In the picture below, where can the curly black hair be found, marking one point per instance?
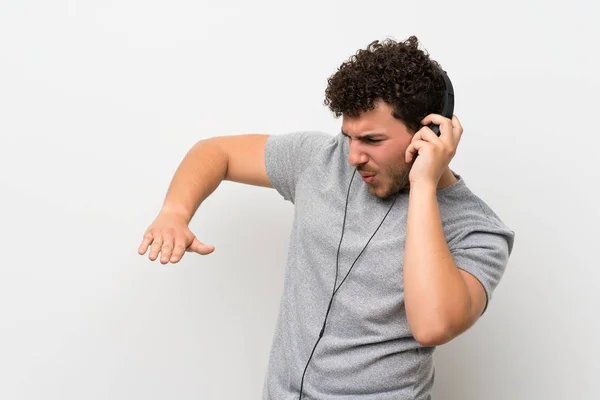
(398, 73)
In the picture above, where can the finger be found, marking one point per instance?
(145, 243)
(433, 119)
(457, 128)
(445, 143)
(426, 134)
(156, 246)
(201, 248)
(444, 123)
(413, 149)
(178, 249)
(167, 248)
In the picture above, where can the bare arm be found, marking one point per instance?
(442, 301)
(209, 162)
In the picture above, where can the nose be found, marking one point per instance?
(356, 156)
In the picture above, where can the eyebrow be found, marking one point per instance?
(367, 136)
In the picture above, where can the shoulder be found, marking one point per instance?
(464, 213)
(300, 139)
(302, 148)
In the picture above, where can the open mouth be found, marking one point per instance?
(367, 178)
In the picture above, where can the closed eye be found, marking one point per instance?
(370, 140)
(366, 139)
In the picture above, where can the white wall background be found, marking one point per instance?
(100, 100)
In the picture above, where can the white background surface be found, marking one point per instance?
(100, 101)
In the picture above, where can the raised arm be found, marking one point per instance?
(238, 158)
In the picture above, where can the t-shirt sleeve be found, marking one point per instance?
(483, 250)
(288, 155)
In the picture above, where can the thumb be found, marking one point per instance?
(200, 248)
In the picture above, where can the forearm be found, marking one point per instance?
(202, 170)
(436, 295)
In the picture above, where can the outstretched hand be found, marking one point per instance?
(170, 236)
(434, 153)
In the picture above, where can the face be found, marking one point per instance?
(377, 143)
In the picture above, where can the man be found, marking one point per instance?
(390, 255)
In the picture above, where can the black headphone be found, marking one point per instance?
(448, 109)
(447, 112)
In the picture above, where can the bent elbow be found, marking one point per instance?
(430, 336)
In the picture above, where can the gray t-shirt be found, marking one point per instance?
(367, 351)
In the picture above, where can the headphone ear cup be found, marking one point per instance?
(435, 128)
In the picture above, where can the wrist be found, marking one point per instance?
(423, 186)
(176, 210)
